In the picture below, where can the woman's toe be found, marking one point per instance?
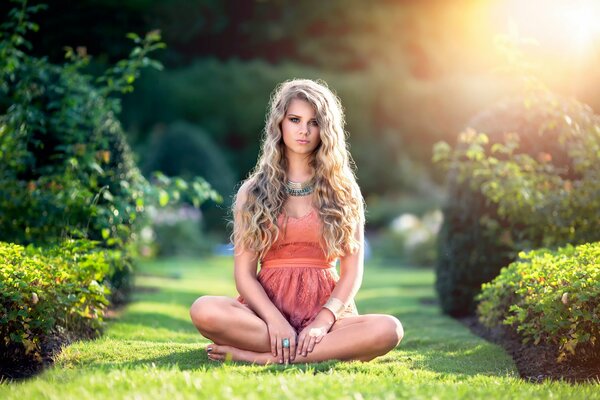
(214, 353)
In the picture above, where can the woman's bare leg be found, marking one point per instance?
(226, 321)
(362, 337)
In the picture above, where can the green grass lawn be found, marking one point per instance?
(153, 351)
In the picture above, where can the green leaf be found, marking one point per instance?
(163, 197)
(441, 151)
(134, 36)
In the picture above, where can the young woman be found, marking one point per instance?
(299, 211)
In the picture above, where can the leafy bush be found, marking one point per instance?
(68, 172)
(550, 297)
(552, 194)
(470, 251)
(61, 288)
(67, 169)
(531, 180)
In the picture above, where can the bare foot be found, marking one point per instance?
(230, 353)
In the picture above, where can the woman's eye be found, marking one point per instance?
(296, 119)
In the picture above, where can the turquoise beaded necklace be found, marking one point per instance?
(300, 189)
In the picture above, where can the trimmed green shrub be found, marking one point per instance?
(531, 179)
(472, 246)
(57, 289)
(550, 297)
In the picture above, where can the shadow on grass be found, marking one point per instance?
(187, 360)
(157, 320)
(166, 275)
(167, 296)
(460, 364)
(461, 360)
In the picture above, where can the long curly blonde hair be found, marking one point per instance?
(337, 196)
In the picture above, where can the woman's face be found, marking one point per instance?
(301, 132)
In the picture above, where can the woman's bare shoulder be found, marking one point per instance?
(356, 189)
(242, 193)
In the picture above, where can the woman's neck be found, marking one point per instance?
(298, 169)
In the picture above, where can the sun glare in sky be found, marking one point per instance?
(584, 18)
(570, 26)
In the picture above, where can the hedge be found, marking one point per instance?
(551, 297)
(45, 290)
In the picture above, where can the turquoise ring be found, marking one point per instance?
(285, 343)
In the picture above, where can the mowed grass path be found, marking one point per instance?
(153, 351)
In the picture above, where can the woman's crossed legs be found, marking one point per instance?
(239, 334)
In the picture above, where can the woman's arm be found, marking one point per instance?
(351, 274)
(245, 268)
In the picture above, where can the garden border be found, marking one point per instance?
(535, 363)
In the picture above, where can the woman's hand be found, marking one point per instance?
(314, 332)
(280, 329)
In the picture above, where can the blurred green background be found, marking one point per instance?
(409, 73)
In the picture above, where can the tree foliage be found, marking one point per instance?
(68, 169)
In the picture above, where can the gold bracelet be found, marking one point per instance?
(336, 306)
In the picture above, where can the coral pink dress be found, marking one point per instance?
(295, 273)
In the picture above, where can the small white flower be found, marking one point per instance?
(433, 221)
(405, 222)
(416, 237)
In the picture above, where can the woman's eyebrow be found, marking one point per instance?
(294, 115)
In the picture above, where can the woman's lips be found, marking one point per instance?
(302, 141)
